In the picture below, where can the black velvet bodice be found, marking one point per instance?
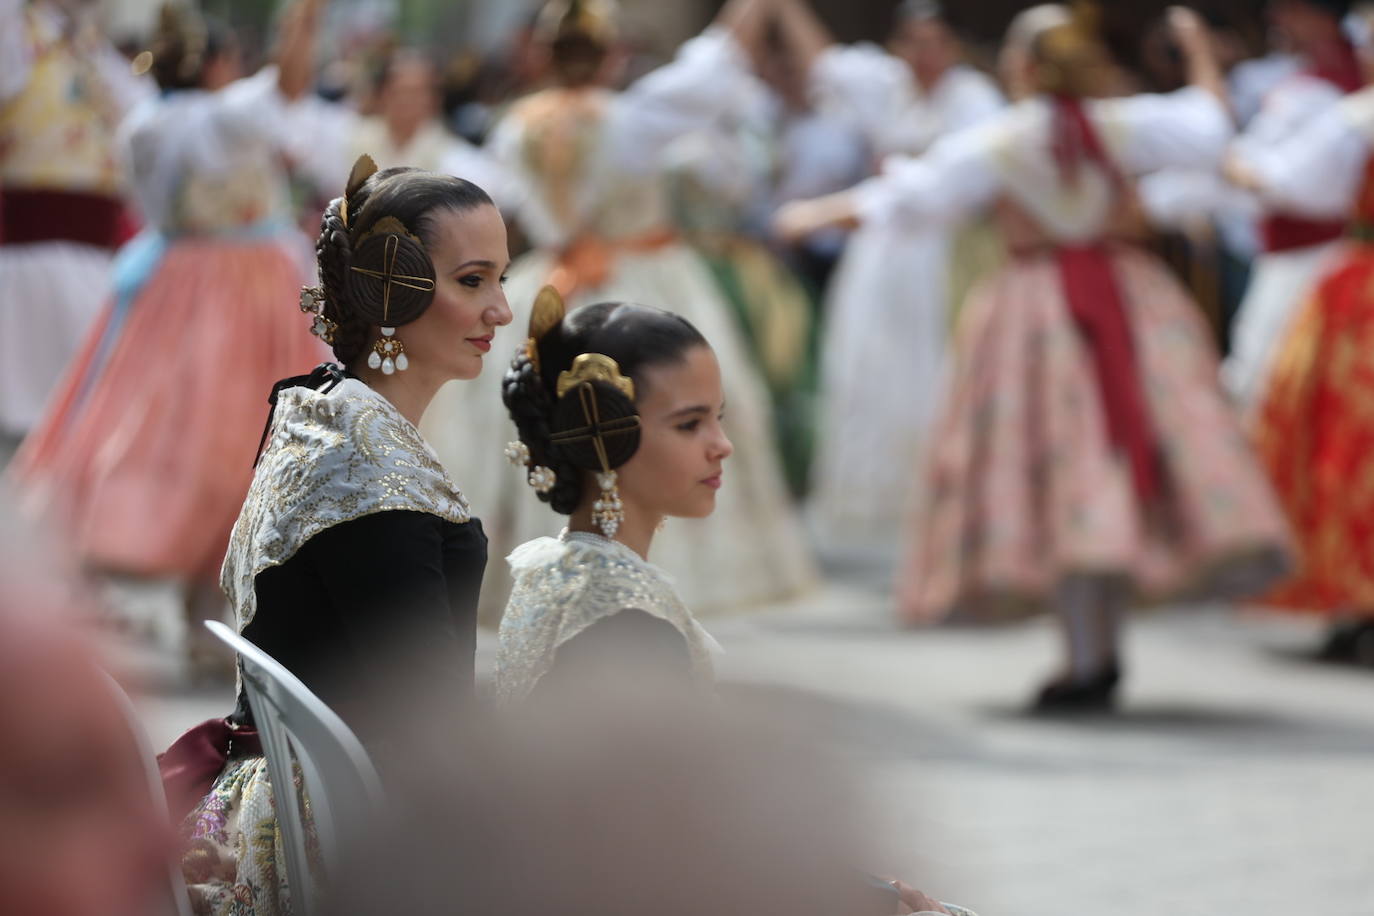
(376, 614)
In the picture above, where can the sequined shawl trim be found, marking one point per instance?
(330, 458)
(564, 586)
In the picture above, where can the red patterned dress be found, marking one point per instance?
(1315, 432)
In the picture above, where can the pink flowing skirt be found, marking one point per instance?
(144, 461)
(1024, 488)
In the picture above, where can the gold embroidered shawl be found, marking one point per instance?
(330, 458)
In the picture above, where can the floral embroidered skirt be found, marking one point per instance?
(1315, 434)
(233, 858)
(1023, 488)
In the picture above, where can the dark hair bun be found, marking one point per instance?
(391, 279)
(611, 411)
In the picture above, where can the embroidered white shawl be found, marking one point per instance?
(330, 458)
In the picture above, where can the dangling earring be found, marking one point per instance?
(312, 303)
(388, 353)
(608, 512)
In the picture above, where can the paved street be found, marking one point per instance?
(1239, 781)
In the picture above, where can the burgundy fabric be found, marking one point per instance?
(1287, 233)
(61, 216)
(1341, 68)
(1095, 301)
(190, 765)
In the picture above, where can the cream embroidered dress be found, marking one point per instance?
(566, 584)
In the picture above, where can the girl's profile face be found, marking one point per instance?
(470, 259)
(682, 447)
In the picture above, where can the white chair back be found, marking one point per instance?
(339, 780)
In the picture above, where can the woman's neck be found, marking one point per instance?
(408, 391)
(636, 529)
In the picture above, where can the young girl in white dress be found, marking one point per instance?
(619, 409)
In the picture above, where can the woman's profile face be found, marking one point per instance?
(682, 446)
(470, 259)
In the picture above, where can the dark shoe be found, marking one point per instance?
(1340, 642)
(1096, 694)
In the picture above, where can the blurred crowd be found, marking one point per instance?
(1026, 328)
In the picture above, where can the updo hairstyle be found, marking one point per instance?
(1071, 58)
(413, 199)
(637, 337)
(183, 43)
(579, 33)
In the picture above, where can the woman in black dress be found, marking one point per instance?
(355, 561)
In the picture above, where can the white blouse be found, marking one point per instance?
(877, 93)
(1011, 155)
(207, 162)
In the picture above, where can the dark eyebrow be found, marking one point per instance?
(467, 264)
(699, 408)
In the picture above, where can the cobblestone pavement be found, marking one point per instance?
(1238, 780)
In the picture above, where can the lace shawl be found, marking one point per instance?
(330, 458)
(564, 585)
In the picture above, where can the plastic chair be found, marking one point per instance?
(180, 902)
(297, 728)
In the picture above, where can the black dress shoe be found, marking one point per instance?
(1066, 695)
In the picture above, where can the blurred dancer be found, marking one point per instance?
(1085, 456)
(145, 454)
(63, 92)
(891, 276)
(1314, 427)
(1300, 236)
(591, 163)
(327, 137)
(719, 180)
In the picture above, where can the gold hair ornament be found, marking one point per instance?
(394, 231)
(363, 169)
(545, 315)
(607, 511)
(595, 367)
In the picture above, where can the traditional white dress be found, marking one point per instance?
(886, 318)
(1282, 278)
(1025, 484)
(61, 101)
(595, 208)
(328, 137)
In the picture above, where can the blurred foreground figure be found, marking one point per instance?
(79, 835)
(63, 91)
(607, 802)
(1086, 457)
